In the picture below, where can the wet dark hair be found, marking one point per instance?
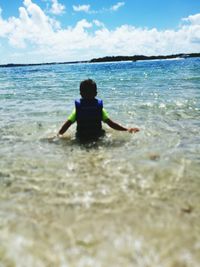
(88, 88)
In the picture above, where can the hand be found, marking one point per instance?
(133, 130)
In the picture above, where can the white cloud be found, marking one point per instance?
(98, 23)
(32, 26)
(117, 6)
(87, 8)
(193, 19)
(85, 41)
(27, 2)
(57, 8)
(83, 8)
(83, 24)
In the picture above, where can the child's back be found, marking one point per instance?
(89, 118)
(89, 114)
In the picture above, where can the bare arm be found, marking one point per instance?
(65, 127)
(118, 127)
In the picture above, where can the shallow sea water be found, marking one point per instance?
(127, 200)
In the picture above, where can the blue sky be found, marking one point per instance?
(64, 30)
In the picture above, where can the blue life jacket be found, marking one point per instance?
(89, 117)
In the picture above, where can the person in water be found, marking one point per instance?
(89, 114)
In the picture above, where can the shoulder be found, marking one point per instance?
(100, 102)
(77, 101)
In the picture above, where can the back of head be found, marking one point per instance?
(88, 89)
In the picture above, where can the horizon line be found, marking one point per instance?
(103, 59)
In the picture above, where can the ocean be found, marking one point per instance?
(128, 200)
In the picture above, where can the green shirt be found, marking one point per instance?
(72, 116)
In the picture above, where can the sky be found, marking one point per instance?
(39, 31)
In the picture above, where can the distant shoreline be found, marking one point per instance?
(108, 59)
(11, 65)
